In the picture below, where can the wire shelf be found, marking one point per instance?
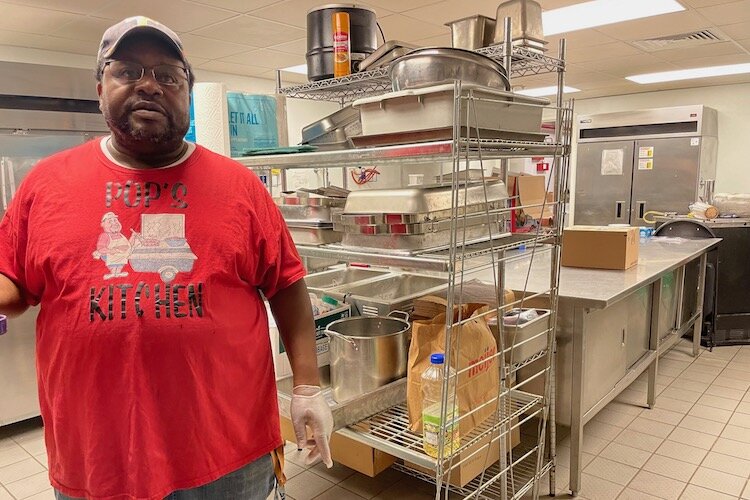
(520, 473)
(418, 152)
(468, 257)
(344, 89)
(389, 430)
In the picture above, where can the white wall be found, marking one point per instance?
(733, 105)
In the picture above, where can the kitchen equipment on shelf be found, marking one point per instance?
(367, 353)
(434, 65)
(326, 280)
(313, 233)
(390, 50)
(424, 199)
(427, 114)
(333, 131)
(526, 21)
(320, 52)
(395, 292)
(473, 32)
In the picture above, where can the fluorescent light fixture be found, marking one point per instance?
(542, 91)
(601, 12)
(300, 69)
(689, 74)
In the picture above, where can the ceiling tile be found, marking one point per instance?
(713, 61)
(179, 15)
(86, 28)
(74, 6)
(656, 26)
(729, 13)
(209, 48)
(450, 10)
(266, 58)
(298, 46)
(234, 69)
(587, 39)
(400, 27)
(294, 12)
(745, 43)
(704, 3)
(712, 50)
(399, 5)
(32, 19)
(736, 31)
(578, 77)
(577, 54)
(34, 41)
(252, 31)
(241, 6)
(443, 40)
(627, 65)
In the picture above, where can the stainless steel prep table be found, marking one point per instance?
(613, 325)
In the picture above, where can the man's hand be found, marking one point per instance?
(11, 300)
(309, 408)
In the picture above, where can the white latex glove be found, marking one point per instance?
(309, 408)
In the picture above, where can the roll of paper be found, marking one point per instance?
(211, 117)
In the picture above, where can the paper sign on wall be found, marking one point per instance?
(612, 161)
(695, 141)
(645, 164)
(646, 152)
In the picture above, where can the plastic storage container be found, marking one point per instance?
(432, 390)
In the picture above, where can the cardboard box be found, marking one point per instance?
(532, 190)
(600, 247)
(348, 452)
(482, 459)
(281, 361)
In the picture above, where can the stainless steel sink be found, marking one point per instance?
(340, 277)
(396, 292)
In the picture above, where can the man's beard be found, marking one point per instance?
(169, 134)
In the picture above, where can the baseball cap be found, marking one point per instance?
(132, 25)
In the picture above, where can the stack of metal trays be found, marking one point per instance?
(419, 218)
(310, 217)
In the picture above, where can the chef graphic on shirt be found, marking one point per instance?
(113, 247)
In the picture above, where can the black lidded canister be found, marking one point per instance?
(362, 32)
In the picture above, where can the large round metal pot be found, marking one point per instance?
(367, 353)
(362, 35)
(433, 66)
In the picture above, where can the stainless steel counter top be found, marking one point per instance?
(599, 289)
(720, 222)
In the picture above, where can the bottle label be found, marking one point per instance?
(432, 428)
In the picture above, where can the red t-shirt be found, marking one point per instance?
(153, 355)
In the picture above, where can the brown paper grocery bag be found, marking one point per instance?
(470, 344)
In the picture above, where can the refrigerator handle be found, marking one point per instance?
(618, 209)
(641, 209)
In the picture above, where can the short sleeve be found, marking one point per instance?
(14, 241)
(277, 264)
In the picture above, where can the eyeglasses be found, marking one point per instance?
(126, 72)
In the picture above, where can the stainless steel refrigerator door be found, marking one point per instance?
(604, 173)
(665, 176)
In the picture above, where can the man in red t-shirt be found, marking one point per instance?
(148, 256)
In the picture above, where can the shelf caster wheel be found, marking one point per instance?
(574, 494)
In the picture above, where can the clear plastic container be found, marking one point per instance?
(432, 425)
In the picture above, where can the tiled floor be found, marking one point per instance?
(694, 445)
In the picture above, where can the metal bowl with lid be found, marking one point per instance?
(435, 65)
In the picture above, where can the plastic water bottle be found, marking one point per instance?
(432, 425)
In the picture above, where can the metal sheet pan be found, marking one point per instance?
(422, 199)
(314, 235)
(312, 213)
(417, 228)
(411, 243)
(388, 218)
